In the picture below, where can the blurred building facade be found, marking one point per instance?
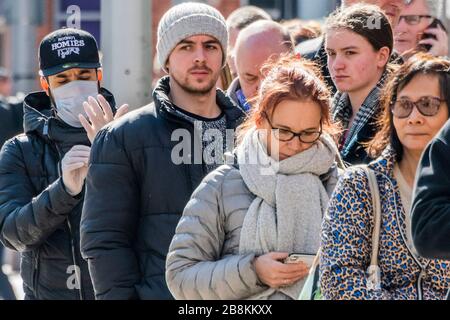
(23, 23)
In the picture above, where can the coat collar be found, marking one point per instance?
(38, 109)
(369, 110)
(39, 119)
(163, 104)
(385, 163)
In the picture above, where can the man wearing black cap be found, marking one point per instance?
(42, 172)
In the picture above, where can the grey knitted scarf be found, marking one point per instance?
(286, 215)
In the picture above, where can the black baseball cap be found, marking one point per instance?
(66, 49)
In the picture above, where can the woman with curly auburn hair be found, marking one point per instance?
(415, 107)
(244, 219)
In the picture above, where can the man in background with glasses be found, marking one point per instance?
(420, 29)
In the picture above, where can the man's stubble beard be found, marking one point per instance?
(191, 89)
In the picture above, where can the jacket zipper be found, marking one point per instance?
(77, 271)
(171, 117)
(419, 284)
(36, 267)
(422, 273)
(36, 274)
(72, 244)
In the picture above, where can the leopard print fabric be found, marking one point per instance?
(347, 246)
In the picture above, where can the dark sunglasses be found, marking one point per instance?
(285, 135)
(427, 106)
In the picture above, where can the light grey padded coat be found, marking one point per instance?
(203, 260)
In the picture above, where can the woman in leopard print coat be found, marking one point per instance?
(415, 104)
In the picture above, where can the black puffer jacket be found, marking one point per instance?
(11, 116)
(37, 216)
(314, 50)
(135, 195)
(431, 208)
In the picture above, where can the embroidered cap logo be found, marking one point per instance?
(67, 46)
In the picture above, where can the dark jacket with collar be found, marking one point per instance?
(135, 196)
(364, 126)
(232, 89)
(232, 92)
(314, 50)
(11, 115)
(431, 206)
(37, 216)
(353, 151)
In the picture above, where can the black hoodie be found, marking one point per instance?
(37, 216)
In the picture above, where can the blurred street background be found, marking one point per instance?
(126, 34)
(122, 29)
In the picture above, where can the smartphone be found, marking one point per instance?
(435, 24)
(307, 259)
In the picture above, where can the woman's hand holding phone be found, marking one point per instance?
(274, 273)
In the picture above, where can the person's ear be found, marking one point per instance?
(99, 75)
(44, 85)
(383, 57)
(260, 122)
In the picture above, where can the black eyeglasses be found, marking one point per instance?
(284, 135)
(414, 19)
(427, 106)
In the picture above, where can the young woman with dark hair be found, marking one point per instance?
(359, 44)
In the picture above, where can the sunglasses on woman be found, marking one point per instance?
(427, 106)
(306, 136)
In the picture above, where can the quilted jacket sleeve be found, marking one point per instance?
(110, 218)
(195, 267)
(26, 220)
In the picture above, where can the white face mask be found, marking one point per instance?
(69, 100)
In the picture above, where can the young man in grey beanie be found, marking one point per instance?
(140, 176)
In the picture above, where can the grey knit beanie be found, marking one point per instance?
(186, 20)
